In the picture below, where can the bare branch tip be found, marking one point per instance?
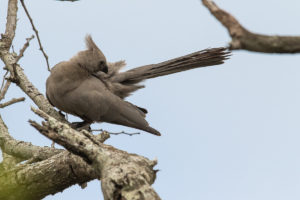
(25, 46)
(153, 163)
(209, 4)
(37, 34)
(4, 88)
(12, 101)
(37, 126)
(39, 112)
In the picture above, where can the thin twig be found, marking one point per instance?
(4, 90)
(118, 133)
(3, 80)
(13, 49)
(36, 33)
(21, 54)
(12, 101)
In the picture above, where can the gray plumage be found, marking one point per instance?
(89, 87)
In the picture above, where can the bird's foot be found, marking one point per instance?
(61, 114)
(81, 126)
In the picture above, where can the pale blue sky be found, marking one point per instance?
(230, 132)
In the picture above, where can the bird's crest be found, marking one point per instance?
(90, 44)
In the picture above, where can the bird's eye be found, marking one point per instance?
(101, 63)
(102, 66)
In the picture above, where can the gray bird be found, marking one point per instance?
(94, 90)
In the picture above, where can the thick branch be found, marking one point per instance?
(35, 181)
(11, 22)
(57, 170)
(23, 150)
(123, 176)
(244, 39)
(9, 161)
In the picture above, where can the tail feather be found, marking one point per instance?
(152, 130)
(207, 57)
(131, 116)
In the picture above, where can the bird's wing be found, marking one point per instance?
(93, 101)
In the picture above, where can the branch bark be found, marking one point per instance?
(48, 172)
(123, 175)
(23, 150)
(5, 88)
(244, 39)
(36, 181)
(12, 101)
(11, 23)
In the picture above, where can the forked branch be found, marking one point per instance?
(244, 39)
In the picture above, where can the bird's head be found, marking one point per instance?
(92, 59)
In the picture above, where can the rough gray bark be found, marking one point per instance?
(37, 180)
(23, 150)
(34, 179)
(123, 175)
(244, 39)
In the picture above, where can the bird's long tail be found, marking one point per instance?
(207, 57)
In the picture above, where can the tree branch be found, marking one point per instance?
(244, 39)
(3, 80)
(123, 176)
(35, 181)
(56, 171)
(23, 150)
(26, 45)
(28, 87)
(117, 133)
(11, 23)
(4, 90)
(36, 33)
(12, 101)
(9, 161)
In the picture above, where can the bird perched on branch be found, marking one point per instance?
(94, 90)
